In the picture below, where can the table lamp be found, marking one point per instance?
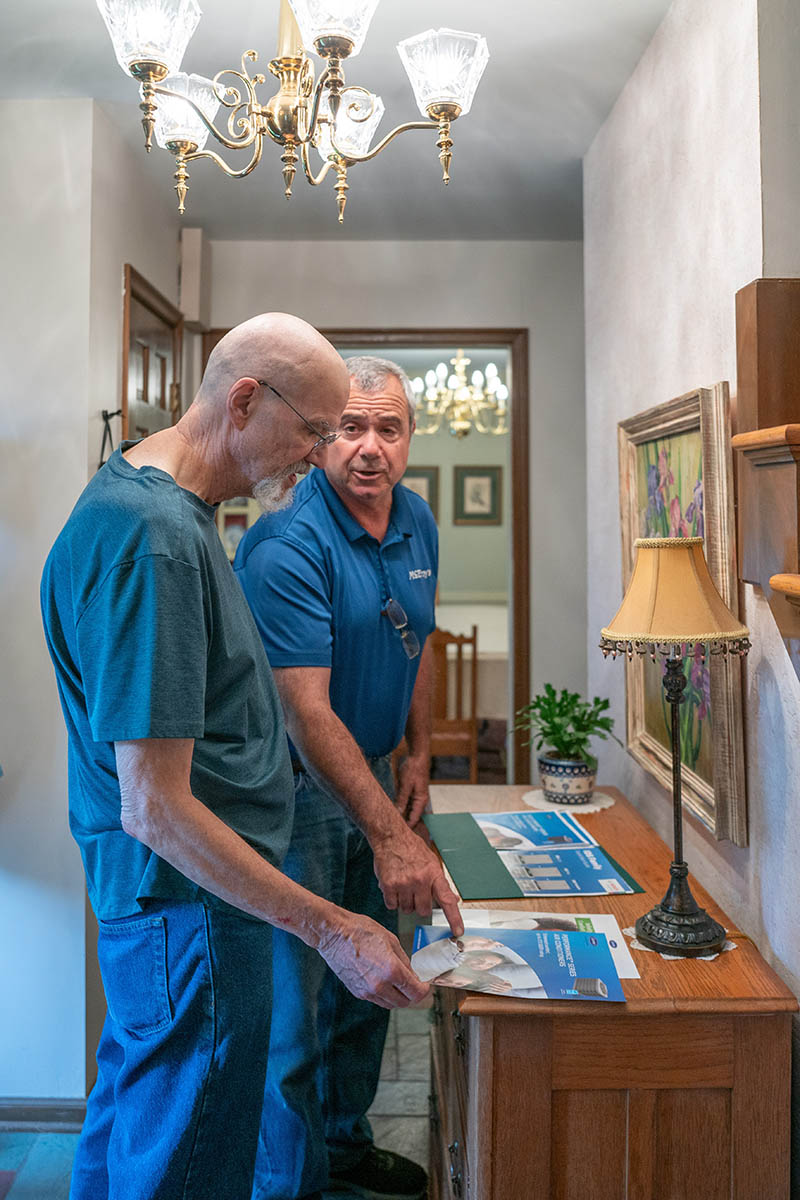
(670, 609)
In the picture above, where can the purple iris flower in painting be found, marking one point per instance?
(655, 501)
(695, 510)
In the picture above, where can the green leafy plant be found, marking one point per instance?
(565, 723)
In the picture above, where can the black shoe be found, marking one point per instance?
(382, 1175)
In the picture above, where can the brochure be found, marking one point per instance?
(498, 856)
(502, 918)
(534, 964)
(529, 830)
(576, 872)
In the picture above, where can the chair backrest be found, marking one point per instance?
(448, 701)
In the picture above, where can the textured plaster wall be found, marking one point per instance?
(70, 218)
(673, 228)
(391, 284)
(44, 328)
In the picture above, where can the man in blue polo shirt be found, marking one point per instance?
(342, 588)
(180, 784)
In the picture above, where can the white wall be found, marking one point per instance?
(70, 216)
(673, 228)
(135, 220)
(474, 560)
(44, 328)
(418, 284)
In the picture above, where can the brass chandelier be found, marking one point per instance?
(447, 398)
(335, 118)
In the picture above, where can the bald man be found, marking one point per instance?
(180, 783)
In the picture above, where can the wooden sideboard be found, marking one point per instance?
(682, 1093)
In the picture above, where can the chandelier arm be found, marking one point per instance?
(254, 160)
(431, 426)
(307, 134)
(231, 143)
(314, 180)
(351, 159)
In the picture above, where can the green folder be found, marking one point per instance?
(476, 867)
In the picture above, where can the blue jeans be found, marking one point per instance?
(174, 1113)
(325, 1045)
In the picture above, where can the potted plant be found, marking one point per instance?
(564, 723)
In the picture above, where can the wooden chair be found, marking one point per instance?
(454, 730)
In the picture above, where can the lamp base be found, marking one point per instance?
(678, 925)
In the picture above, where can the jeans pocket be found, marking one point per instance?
(133, 963)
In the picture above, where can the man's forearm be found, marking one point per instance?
(186, 834)
(159, 809)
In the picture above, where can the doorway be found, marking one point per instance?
(390, 343)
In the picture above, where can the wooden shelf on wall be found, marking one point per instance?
(768, 446)
(769, 517)
(788, 586)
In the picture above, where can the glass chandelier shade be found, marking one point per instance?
(334, 18)
(444, 66)
(178, 122)
(355, 125)
(150, 30)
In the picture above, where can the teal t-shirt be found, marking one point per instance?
(151, 637)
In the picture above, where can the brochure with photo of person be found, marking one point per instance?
(506, 918)
(537, 964)
(531, 830)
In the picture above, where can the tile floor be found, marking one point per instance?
(42, 1161)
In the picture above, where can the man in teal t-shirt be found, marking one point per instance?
(179, 777)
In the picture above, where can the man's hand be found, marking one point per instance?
(371, 963)
(413, 796)
(410, 877)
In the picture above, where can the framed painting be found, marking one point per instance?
(676, 480)
(425, 482)
(477, 495)
(152, 344)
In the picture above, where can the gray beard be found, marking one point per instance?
(271, 493)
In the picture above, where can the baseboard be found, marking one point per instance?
(42, 1116)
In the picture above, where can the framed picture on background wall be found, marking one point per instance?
(477, 496)
(425, 482)
(676, 480)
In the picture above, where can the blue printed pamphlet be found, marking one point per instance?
(534, 964)
(529, 830)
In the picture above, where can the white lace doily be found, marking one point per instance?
(535, 799)
(630, 933)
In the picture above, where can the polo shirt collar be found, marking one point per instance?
(400, 524)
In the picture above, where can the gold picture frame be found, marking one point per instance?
(676, 479)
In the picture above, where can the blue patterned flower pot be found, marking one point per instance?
(566, 780)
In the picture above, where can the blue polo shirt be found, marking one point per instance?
(151, 637)
(317, 583)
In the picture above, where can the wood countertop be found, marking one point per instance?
(738, 981)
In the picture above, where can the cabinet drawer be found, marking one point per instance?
(451, 1034)
(448, 1159)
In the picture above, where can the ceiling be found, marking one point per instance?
(555, 70)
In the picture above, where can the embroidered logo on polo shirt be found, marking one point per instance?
(420, 573)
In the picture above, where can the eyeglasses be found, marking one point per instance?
(399, 620)
(323, 439)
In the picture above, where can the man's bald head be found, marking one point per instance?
(284, 350)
